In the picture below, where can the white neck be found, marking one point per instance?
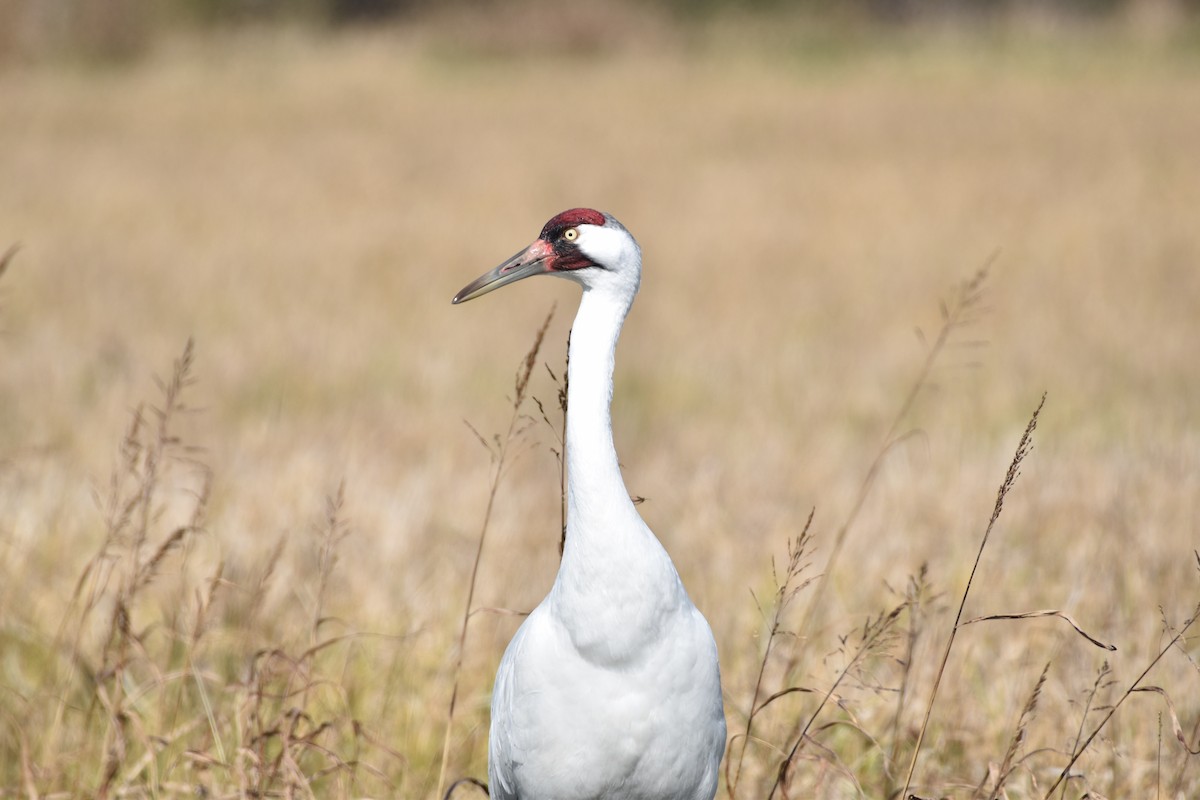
(598, 504)
(616, 584)
(616, 587)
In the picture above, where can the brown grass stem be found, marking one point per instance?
(333, 531)
(7, 258)
(1062, 776)
(1009, 763)
(785, 592)
(873, 632)
(131, 512)
(560, 434)
(915, 596)
(1049, 612)
(499, 455)
(1010, 478)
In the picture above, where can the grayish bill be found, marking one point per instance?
(530, 261)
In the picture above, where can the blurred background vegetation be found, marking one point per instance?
(125, 29)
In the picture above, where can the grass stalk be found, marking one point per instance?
(1112, 710)
(1010, 478)
(500, 453)
(785, 592)
(124, 566)
(1018, 738)
(560, 436)
(873, 634)
(915, 597)
(7, 258)
(784, 595)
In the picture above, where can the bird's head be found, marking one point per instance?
(586, 246)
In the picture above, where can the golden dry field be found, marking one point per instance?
(186, 609)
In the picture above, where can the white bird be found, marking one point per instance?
(610, 688)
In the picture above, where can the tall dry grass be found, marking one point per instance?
(253, 583)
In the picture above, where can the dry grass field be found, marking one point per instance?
(187, 609)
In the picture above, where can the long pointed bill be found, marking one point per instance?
(533, 260)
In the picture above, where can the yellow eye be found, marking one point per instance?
(571, 234)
